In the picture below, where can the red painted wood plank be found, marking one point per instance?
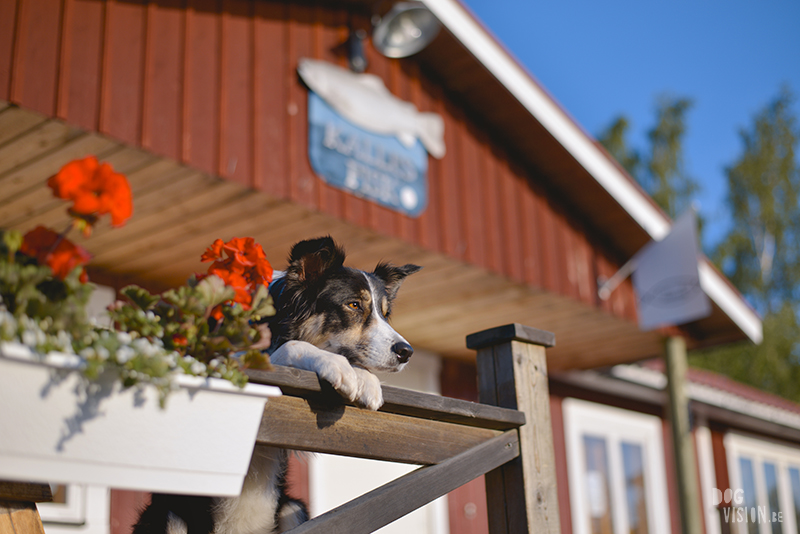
(236, 72)
(550, 253)
(472, 215)
(8, 20)
(531, 250)
(36, 58)
(123, 70)
(271, 93)
(163, 84)
(490, 197)
(330, 35)
(81, 63)
(560, 457)
(510, 188)
(303, 182)
(453, 239)
(429, 227)
(201, 91)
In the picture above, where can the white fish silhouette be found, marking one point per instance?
(364, 100)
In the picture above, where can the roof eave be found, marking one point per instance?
(485, 48)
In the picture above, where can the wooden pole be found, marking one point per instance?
(682, 443)
(512, 373)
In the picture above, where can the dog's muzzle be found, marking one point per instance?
(403, 351)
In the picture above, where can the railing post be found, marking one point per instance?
(512, 373)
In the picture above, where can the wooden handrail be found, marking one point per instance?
(508, 437)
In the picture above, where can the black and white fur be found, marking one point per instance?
(332, 320)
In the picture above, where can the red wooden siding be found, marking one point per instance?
(213, 84)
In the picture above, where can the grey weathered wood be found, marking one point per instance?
(306, 384)
(682, 442)
(25, 491)
(294, 423)
(391, 501)
(510, 332)
(512, 373)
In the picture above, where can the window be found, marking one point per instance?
(67, 505)
(766, 475)
(616, 470)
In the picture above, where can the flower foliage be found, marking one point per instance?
(209, 327)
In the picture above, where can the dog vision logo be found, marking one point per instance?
(737, 511)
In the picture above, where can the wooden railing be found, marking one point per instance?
(506, 436)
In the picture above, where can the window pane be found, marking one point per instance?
(794, 480)
(634, 487)
(749, 488)
(771, 481)
(597, 484)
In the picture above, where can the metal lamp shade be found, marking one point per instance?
(405, 30)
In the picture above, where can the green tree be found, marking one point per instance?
(761, 253)
(666, 178)
(614, 139)
(662, 170)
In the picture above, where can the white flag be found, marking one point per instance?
(666, 279)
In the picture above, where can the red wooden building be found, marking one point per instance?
(199, 102)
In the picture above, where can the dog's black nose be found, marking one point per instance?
(403, 351)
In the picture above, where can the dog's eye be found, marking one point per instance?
(355, 305)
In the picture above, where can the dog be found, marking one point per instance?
(330, 319)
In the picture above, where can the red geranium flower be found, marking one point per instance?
(51, 249)
(241, 264)
(95, 189)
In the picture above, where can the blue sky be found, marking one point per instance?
(603, 59)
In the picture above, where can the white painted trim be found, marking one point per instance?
(759, 451)
(615, 425)
(710, 395)
(520, 84)
(708, 477)
(730, 302)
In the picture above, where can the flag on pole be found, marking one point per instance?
(666, 279)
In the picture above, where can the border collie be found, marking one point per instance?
(332, 320)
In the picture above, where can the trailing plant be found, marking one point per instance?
(210, 327)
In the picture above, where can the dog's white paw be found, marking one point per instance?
(341, 375)
(370, 394)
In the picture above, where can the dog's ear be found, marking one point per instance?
(393, 276)
(312, 258)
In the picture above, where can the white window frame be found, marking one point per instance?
(615, 425)
(72, 511)
(761, 450)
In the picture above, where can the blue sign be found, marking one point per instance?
(372, 166)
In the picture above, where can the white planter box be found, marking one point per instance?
(51, 432)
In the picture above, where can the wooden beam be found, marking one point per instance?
(391, 501)
(399, 401)
(512, 373)
(299, 424)
(25, 491)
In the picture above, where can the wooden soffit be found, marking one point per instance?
(179, 211)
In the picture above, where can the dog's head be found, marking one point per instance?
(340, 309)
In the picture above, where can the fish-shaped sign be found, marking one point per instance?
(364, 100)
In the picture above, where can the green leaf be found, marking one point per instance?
(12, 239)
(213, 291)
(140, 297)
